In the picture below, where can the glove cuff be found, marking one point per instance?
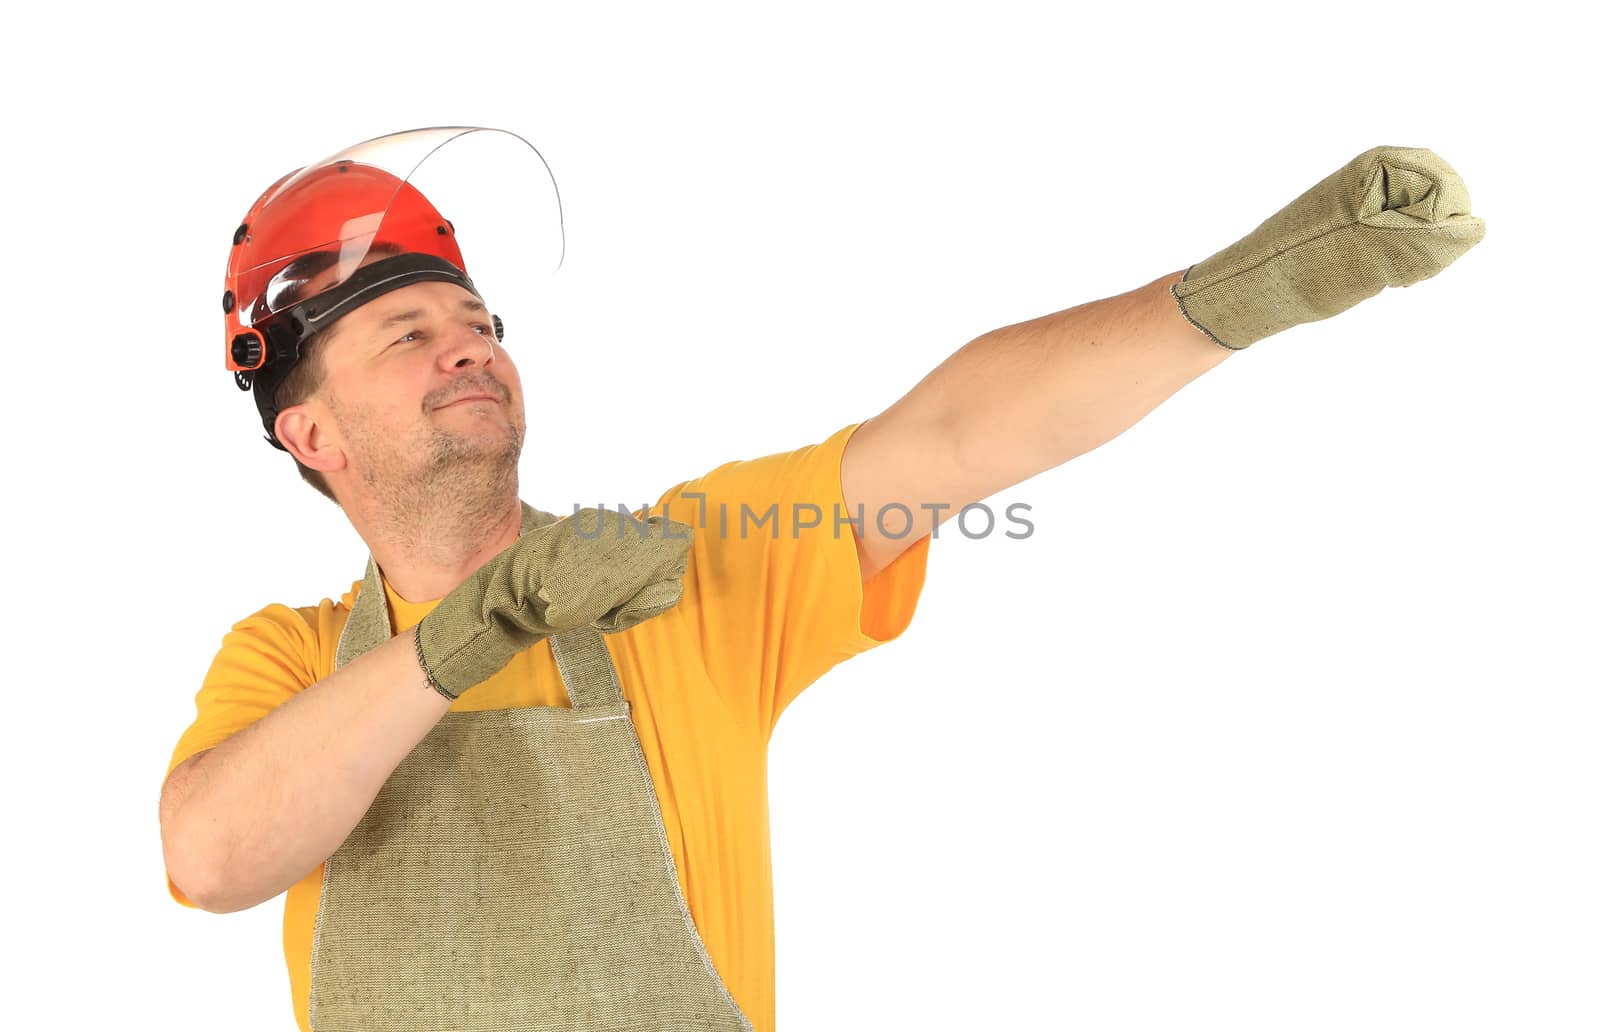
(422, 661)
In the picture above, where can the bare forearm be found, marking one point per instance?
(1025, 398)
(1015, 402)
(261, 810)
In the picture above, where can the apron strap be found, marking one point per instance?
(369, 623)
(586, 668)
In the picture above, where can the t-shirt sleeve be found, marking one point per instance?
(773, 588)
(264, 660)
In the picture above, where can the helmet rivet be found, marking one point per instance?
(227, 301)
(239, 234)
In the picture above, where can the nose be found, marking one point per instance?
(467, 346)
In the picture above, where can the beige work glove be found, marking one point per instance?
(1392, 217)
(598, 567)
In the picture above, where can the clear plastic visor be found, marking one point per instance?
(483, 199)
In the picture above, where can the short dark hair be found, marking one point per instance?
(305, 378)
(302, 381)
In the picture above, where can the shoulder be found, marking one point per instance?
(301, 637)
(808, 474)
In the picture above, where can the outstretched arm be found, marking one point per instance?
(1014, 402)
(1025, 398)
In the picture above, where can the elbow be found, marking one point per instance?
(203, 882)
(199, 870)
(216, 904)
(193, 863)
(188, 869)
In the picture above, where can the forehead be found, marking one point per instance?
(414, 301)
(382, 314)
(431, 298)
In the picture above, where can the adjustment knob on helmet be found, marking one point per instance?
(247, 351)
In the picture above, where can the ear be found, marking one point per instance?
(306, 430)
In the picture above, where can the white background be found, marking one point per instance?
(1284, 717)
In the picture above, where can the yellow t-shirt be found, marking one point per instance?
(761, 618)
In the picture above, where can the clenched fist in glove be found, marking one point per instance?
(1392, 217)
(596, 567)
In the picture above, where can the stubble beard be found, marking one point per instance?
(443, 492)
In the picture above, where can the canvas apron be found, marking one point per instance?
(513, 873)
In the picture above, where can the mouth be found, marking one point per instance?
(472, 398)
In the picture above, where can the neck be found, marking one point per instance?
(428, 545)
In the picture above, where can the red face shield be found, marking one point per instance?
(330, 237)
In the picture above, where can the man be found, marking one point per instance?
(515, 776)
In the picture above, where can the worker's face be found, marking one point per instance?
(421, 394)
